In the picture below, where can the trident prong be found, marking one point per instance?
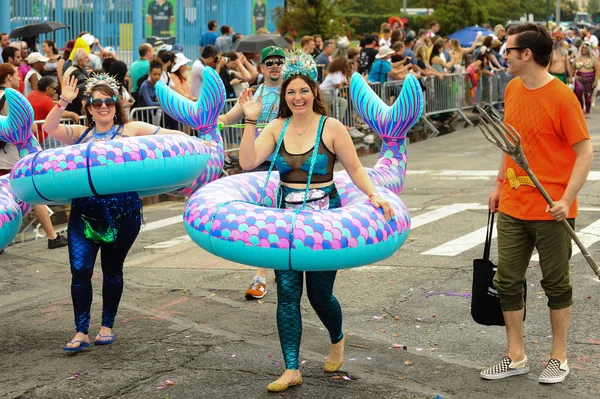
(509, 141)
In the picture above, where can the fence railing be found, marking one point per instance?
(452, 94)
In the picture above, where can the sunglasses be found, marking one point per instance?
(98, 102)
(509, 49)
(270, 63)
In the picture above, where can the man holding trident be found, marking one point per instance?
(556, 142)
(271, 62)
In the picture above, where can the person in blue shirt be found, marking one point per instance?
(381, 67)
(409, 43)
(210, 37)
(147, 94)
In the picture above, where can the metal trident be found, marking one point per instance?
(509, 141)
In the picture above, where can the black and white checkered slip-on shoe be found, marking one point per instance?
(554, 372)
(506, 368)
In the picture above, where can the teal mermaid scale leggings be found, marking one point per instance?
(319, 288)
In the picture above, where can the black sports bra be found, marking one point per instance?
(294, 168)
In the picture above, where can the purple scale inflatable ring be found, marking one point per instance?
(225, 219)
(147, 164)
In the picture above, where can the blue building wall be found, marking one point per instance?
(121, 23)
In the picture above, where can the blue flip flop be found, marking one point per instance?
(105, 342)
(81, 347)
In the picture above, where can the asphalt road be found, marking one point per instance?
(183, 316)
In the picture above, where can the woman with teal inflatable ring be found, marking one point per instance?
(109, 223)
(308, 134)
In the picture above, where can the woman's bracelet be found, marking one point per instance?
(251, 121)
(64, 99)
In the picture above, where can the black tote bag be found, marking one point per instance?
(485, 303)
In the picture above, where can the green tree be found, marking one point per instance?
(309, 17)
(593, 6)
(454, 15)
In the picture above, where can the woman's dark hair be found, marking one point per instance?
(340, 64)
(107, 64)
(484, 55)
(52, 45)
(396, 36)
(118, 70)
(120, 115)
(436, 50)
(5, 70)
(318, 105)
(168, 56)
(231, 55)
(535, 38)
(487, 41)
(156, 63)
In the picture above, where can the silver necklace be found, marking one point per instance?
(305, 130)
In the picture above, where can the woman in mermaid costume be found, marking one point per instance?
(109, 223)
(304, 158)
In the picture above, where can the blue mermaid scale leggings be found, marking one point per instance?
(82, 256)
(319, 288)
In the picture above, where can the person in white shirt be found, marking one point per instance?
(386, 40)
(37, 62)
(207, 58)
(337, 77)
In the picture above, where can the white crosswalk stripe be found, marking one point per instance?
(589, 235)
(461, 244)
(170, 243)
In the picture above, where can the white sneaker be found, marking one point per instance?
(506, 368)
(554, 372)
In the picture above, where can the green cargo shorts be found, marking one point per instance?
(516, 240)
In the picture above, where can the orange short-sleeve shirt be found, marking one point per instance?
(549, 120)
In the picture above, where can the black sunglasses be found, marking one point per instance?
(271, 63)
(509, 49)
(109, 102)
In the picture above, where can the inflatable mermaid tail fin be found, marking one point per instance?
(390, 122)
(201, 115)
(16, 126)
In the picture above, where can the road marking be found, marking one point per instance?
(162, 223)
(170, 243)
(440, 213)
(588, 236)
(461, 244)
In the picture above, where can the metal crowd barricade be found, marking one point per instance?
(47, 141)
(454, 93)
(231, 136)
(444, 96)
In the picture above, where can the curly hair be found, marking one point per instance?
(120, 114)
(318, 104)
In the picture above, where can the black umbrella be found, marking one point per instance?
(256, 43)
(37, 29)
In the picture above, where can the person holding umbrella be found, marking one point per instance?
(271, 63)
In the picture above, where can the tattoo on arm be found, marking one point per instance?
(70, 133)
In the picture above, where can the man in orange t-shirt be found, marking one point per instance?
(556, 142)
